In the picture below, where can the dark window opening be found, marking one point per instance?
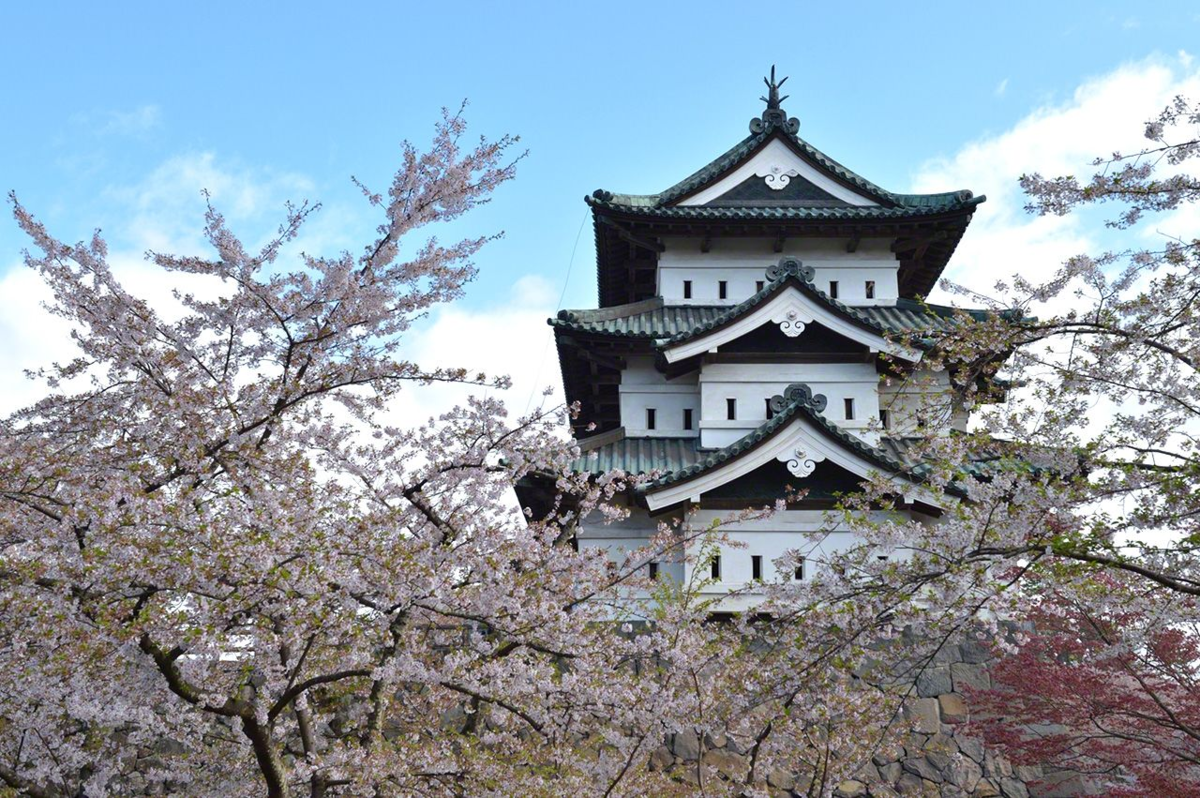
(654, 570)
(849, 407)
(881, 557)
(833, 289)
(722, 289)
(770, 412)
(731, 409)
(715, 566)
(687, 289)
(756, 567)
(870, 289)
(687, 418)
(885, 419)
(759, 285)
(799, 575)
(651, 417)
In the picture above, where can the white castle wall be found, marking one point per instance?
(742, 263)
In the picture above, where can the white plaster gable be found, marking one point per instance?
(792, 310)
(777, 164)
(800, 447)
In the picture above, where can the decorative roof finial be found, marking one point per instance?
(774, 115)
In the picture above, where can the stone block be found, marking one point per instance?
(975, 651)
(662, 758)
(934, 681)
(851, 788)
(1062, 784)
(921, 766)
(686, 746)
(925, 715)
(726, 762)
(953, 708)
(890, 773)
(971, 747)
(1011, 788)
(780, 779)
(910, 784)
(966, 675)
(986, 788)
(963, 773)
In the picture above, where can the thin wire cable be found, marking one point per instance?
(561, 296)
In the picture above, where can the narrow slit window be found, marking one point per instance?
(722, 289)
(833, 289)
(849, 408)
(770, 413)
(731, 409)
(687, 289)
(654, 570)
(756, 567)
(715, 567)
(759, 285)
(651, 417)
(687, 418)
(799, 573)
(870, 289)
(885, 419)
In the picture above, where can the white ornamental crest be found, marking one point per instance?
(791, 325)
(778, 177)
(801, 463)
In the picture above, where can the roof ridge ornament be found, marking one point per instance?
(790, 266)
(798, 393)
(774, 115)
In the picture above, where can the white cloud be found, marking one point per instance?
(1104, 114)
(1001, 88)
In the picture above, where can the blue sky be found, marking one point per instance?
(116, 114)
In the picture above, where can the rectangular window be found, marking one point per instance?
(715, 567)
(756, 567)
(799, 575)
(722, 289)
(849, 408)
(770, 414)
(651, 417)
(884, 419)
(687, 289)
(833, 289)
(731, 409)
(870, 289)
(687, 418)
(759, 285)
(654, 570)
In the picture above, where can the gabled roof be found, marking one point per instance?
(930, 224)
(667, 327)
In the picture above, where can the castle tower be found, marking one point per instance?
(759, 328)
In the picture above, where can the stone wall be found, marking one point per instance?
(937, 757)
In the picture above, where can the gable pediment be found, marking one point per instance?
(793, 310)
(782, 177)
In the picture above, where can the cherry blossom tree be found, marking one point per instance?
(225, 570)
(1100, 439)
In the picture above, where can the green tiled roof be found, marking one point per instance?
(651, 319)
(891, 203)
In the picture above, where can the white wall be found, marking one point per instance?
(642, 387)
(742, 263)
(923, 396)
(752, 383)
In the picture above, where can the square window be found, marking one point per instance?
(833, 289)
(849, 408)
(654, 570)
(687, 418)
(756, 567)
(799, 573)
(722, 289)
(687, 289)
(870, 289)
(731, 409)
(715, 567)
(651, 417)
